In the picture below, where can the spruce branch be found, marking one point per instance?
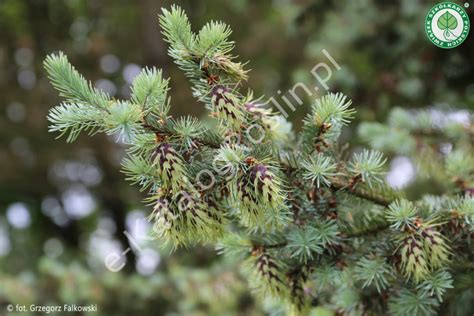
(72, 85)
(301, 220)
(304, 243)
(412, 303)
(318, 170)
(368, 166)
(72, 119)
(437, 284)
(373, 271)
(402, 215)
(149, 90)
(171, 128)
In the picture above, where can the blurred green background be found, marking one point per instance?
(64, 207)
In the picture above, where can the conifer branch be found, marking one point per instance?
(288, 207)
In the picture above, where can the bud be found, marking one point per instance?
(414, 260)
(201, 220)
(269, 276)
(258, 191)
(435, 247)
(170, 166)
(258, 110)
(266, 185)
(297, 296)
(226, 107)
(185, 218)
(166, 223)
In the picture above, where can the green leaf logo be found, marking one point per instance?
(447, 25)
(448, 22)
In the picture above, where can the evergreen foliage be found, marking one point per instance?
(309, 226)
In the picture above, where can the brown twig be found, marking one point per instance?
(370, 231)
(339, 183)
(279, 245)
(165, 131)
